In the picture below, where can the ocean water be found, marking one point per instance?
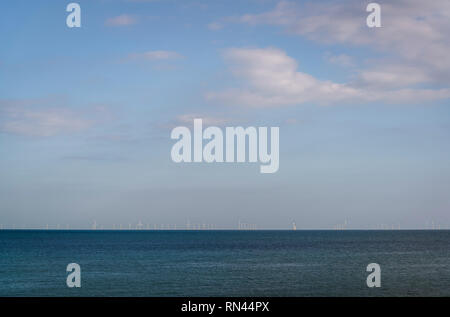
(225, 263)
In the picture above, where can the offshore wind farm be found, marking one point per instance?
(428, 225)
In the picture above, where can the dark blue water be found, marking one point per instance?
(225, 263)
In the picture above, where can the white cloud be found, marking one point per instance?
(340, 60)
(414, 31)
(121, 20)
(215, 26)
(393, 76)
(155, 55)
(207, 120)
(22, 118)
(270, 78)
(413, 42)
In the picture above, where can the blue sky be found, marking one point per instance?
(86, 113)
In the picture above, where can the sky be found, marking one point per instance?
(86, 113)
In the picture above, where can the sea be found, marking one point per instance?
(225, 263)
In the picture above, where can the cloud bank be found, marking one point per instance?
(271, 78)
(413, 38)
